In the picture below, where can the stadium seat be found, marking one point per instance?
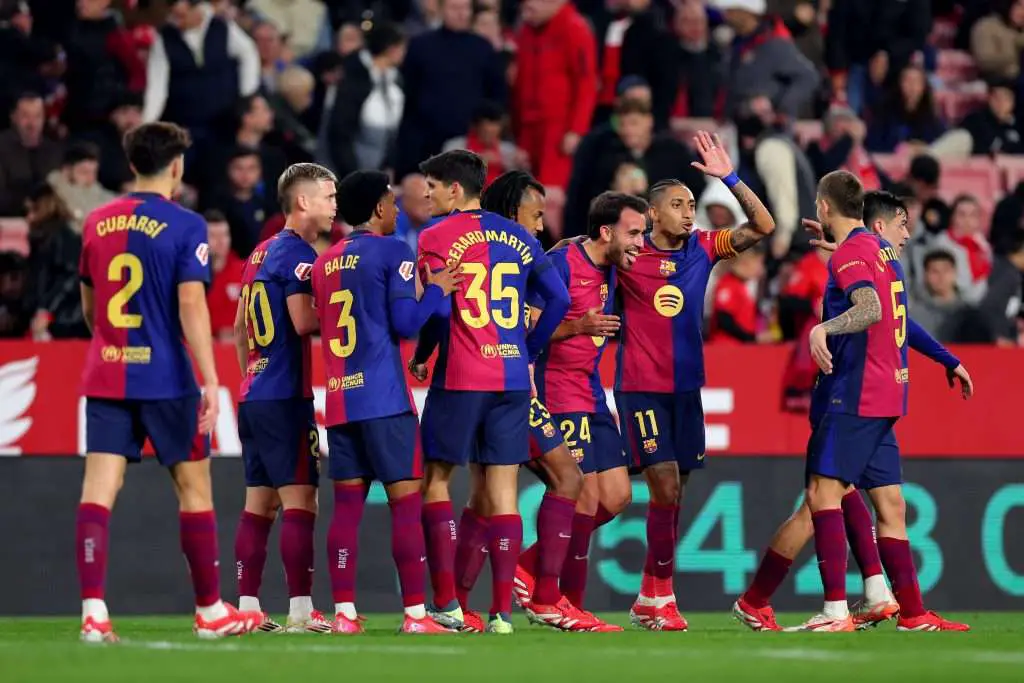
(1012, 168)
(807, 131)
(954, 105)
(893, 165)
(955, 66)
(978, 177)
(14, 235)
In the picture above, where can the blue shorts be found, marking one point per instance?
(121, 427)
(593, 440)
(544, 438)
(280, 443)
(855, 450)
(485, 427)
(385, 448)
(662, 428)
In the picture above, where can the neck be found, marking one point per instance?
(161, 186)
(218, 263)
(302, 226)
(945, 297)
(371, 227)
(380, 63)
(598, 253)
(842, 227)
(249, 138)
(667, 241)
(468, 204)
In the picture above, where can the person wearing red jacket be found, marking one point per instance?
(555, 90)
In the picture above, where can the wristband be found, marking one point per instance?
(731, 180)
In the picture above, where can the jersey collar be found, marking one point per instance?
(586, 257)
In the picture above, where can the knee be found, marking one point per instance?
(824, 494)
(891, 507)
(567, 482)
(616, 497)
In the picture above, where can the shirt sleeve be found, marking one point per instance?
(194, 254)
(83, 264)
(560, 264)
(401, 276)
(298, 272)
(851, 268)
(717, 244)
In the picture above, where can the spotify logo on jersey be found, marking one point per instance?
(668, 301)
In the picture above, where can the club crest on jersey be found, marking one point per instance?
(304, 270)
(669, 301)
(667, 267)
(203, 253)
(650, 446)
(548, 429)
(604, 292)
(407, 269)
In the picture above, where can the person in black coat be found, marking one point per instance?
(95, 78)
(994, 129)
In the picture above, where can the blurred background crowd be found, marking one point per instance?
(914, 96)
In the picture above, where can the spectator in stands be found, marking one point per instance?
(555, 90)
(870, 43)
(414, 209)
(1002, 302)
(765, 62)
(226, 283)
(291, 104)
(23, 55)
(701, 63)
(245, 201)
(274, 54)
(631, 138)
(998, 39)
(487, 25)
(630, 179)
(994, 130)
(923, 180)
(115, 174)
(718, 208)
(425, 16)
(484, 138)
(95, 78)
(300, 20)
(198, 67)
(842, 147)
(349, 39)
(1008, 221)
(26, 154)
(965, 239)
(940, 308)
(905, 115)
(54, 251)
(801, 20)
(368, 107)
(15, 307)
(328, 72)
(735, 317)
(446, 75)
(77, 184)
(254, 124)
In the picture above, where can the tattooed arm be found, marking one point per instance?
(865, 312)
(760, 223)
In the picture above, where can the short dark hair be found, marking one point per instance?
(939, 255)
(151, 147)
(926, 169)
(607, 208)
(488, 111)
(80, 151)
(631, 105)
(214, 216)
(962, 199)
(844, 192)
(300, 173)
(457, 166)
(659, 188)
(505, 193)
(882, 205)
(242, 151)
(23, 96)
(383, 36)
(359, 193)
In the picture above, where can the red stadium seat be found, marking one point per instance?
(978, 177)
(1012, 168)
(954, 105)
(955, 66)
(14, 235)
(893, 165)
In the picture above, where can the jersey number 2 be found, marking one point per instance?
(899, 313)
(499, 292)
(116, 313)
(345, 322)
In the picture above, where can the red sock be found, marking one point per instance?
(408, 547)
(861, 533)
(830, 544)
(470, 554)
(91, 534)
(602, 517)
(504, 541)
(574, 571)
(199, 543)
(439, 528)
(297, 550)
(899, 565)
(251, 552)
(554, 531)
(343, 540)
(770, 574)
(528, 559)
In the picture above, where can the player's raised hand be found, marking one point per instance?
(819, 349)
(597, 324)
(418, 370)
(210, 409)
(712, 152)
(960, 374)
(819, 240)
(447, 279)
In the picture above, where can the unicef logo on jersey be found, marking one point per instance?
(669, 301)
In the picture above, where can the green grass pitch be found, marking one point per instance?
(716, 648)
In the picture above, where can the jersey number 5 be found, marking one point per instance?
(116, 313)
(499, 292)
(899, 313)
(345, 322)
(257, 314)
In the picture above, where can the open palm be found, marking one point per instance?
(716, 161)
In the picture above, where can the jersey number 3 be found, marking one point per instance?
(346, 323)
(485, 305)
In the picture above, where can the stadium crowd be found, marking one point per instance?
(917, 97)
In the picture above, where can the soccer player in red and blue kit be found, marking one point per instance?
(478, 405)
(144, 270)
(276, 420)
(862, 391)
(661, 361)
(886, 215)
(365, 290)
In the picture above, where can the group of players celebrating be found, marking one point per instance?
(518, 335)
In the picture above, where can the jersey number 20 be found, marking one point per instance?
(487, 311)
(256, 306)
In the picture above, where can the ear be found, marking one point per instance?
(378, 210)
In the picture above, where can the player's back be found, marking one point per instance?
(484, 348)
(279, 364)
(354, 282)
(136, 250)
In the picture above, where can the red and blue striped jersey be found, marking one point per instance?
(136, 250)
(662, 306)
(353, 284)
(566, 375)
(869, 369)
(483, 343)
(279, 365)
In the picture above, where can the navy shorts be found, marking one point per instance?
(385, 448)
(855, 450)
(662, 428)
(593, 440)
(544, 438)
(121, 427)
(280, 442)
(485, 427)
